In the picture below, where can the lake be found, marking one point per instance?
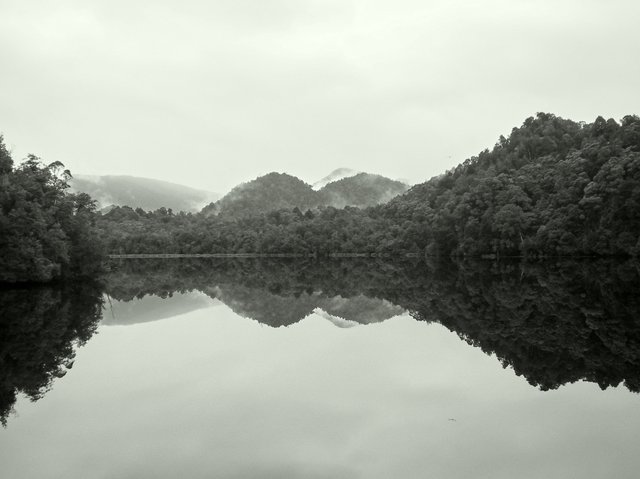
(357, 368)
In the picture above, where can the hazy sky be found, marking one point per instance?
(212, 93)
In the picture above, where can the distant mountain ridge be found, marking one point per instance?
(139, 192)
(273, 191)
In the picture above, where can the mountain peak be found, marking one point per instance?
(274, 191)
(335, 175)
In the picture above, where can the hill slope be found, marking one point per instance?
(145, 193)
(362, 190)
(554, 186)
(267, 193)
(335, 175)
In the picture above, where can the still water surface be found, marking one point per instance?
(367, 371)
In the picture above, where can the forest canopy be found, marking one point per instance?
(46, 233)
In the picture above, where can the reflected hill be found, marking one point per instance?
(276, 310)
(359, 309)
(275, 293)
(153, 308)
(552, 323)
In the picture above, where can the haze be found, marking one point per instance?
(209, 94)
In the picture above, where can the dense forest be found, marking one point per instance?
(46, 233)
(554, 187)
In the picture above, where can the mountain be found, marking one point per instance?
(137, 192)
(282, 191)
(553, 188)
(335, 175)
(267, 193)
(362, 190)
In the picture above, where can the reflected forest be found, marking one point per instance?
(39, 331)
(552, 324)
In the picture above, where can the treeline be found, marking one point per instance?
(320, 231)
(46, 233)
(553, 188)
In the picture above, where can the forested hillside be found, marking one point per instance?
(269, 192)
(361, 190)
(276, 191)
(554, 187)
(46, 232)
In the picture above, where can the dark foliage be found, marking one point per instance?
(554, 187)
(45, 232)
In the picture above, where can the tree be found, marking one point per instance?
(45, 232)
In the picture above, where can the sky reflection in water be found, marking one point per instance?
(210, 393)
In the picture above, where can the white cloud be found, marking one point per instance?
(213, 93)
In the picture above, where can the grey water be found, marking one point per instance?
(341, 369)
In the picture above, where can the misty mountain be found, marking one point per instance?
(335, 175)
(282, 191)
(145, 193)
(266, 193)
(362, 190)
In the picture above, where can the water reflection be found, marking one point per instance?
(553, 324)
(275, 293)
(39, 329)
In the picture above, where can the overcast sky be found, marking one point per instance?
(212, 93)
